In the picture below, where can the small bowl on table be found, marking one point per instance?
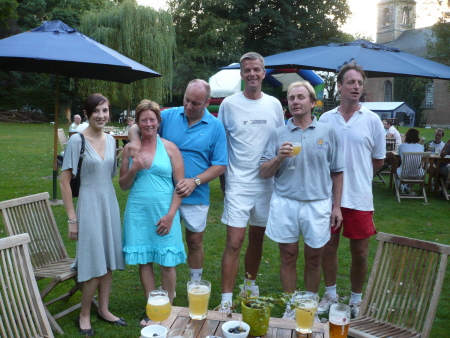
(233, 324)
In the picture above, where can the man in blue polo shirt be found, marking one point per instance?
(202, 142)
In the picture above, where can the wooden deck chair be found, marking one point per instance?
(62, 138)
(33, 215)
(403, 289)
(445, 185)
(413, 171)
(22, 313)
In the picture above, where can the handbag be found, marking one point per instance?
(76, 181)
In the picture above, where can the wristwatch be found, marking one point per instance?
(197, 180)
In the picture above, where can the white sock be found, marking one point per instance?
(356, 297)
(196, 274)
(331, 290)
(227, 297)
(249, 282)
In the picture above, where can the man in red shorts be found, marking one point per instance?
(362, 138)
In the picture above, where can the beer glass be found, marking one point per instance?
(297, 149)
(158, 306)
(306, 304)
(198, 295)
(339, 320)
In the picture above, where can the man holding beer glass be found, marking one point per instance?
(301, 202)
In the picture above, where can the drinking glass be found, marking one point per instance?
(179, 333)
(339, 320)
(306, 304)
(198, 295)
(158, 306)
(297, 149)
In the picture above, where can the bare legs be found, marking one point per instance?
(288, 269)
(194, 241)
(359, 249)
(230, 259)
(147, 276)
(103, 284)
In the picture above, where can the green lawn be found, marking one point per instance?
(26, 168)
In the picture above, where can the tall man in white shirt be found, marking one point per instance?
(362, 139)
(249, 118)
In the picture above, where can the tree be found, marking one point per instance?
(142, 34)
(411, 90)
(214, 33)
(438, 46)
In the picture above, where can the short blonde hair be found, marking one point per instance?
(307, 85)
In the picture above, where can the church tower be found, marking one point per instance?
(394, 17)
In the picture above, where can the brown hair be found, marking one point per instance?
(412, 136)
(92, 102)
(349, 66)
(148, 105)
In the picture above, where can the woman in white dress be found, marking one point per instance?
(95, 224)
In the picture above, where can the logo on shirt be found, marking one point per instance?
(321, 144)
(255, 122)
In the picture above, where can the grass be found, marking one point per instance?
(26, 168)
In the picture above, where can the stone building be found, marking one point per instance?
(397, 23)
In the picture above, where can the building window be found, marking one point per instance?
(386, 16)
(405, 16)
(429, 95)
(388, 91)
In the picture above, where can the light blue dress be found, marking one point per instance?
(149, 199)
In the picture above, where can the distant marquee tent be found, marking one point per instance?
(393, 110)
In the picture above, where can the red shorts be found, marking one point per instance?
(357, 224)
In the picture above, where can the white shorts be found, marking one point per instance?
(242, 207)
(288, 219)
(194, 216)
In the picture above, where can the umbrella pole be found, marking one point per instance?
(55, 139)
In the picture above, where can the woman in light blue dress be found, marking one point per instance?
(95, 224)
(152, 230)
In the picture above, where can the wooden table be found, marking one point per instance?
(212, 325)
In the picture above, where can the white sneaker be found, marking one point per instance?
(354, 308)
(325, 303)
(254, 290)
(289, 314)
(224, 307)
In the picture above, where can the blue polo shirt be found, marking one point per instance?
(202, 145)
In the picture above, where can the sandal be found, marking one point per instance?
(146, 319)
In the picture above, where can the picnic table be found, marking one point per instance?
(212, 325)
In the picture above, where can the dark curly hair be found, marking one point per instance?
(412, 136)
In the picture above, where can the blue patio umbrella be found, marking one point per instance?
(377, 60)
(56, 48)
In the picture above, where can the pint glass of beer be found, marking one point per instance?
(306, 304)
(339, 320)
(198, 295)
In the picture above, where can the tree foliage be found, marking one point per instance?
(142, 34)
(438, 46)
(214, 33)
(411, 90)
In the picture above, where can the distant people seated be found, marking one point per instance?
(437, 143)
(392, 132)
(130, 122)
(76, 122)
(82, 126)
(411, 145)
